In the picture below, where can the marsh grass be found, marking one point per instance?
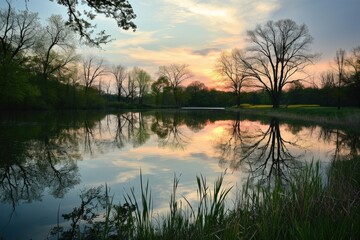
(307, 207)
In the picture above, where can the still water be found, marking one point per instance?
(47, 159)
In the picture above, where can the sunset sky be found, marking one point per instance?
(196, 31)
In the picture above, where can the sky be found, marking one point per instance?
(194, 32)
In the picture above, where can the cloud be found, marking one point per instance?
(205, 51)
(229, 16)
(130, 39)
(201, 65)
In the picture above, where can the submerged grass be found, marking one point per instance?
(307, 207)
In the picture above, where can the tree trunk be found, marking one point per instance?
(238, 100)
(119, 96)
(275, 99)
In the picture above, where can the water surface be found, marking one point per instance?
(47, 159)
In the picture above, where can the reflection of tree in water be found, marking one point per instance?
(267, 153)
(141, 131)
(39, 155)
(167, 128)
(36, 164)
(229, 149)
(169, 125)
(346, 143)
(131, 127)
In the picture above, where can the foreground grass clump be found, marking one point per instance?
(307, 207)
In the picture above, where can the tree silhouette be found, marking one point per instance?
(278, 52)
(81, 21)
(175, 74)
(233, 72)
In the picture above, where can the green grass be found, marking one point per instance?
(307, 207)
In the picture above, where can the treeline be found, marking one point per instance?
(39, 64)
(40, 69)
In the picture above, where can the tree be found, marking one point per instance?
(328, 84)
(340, 64)
(120, 74)
(158, 87)
(198, 94)
(142, 81)
(55, 47)
(233, 72)
(353, 81)
(327, 79)
(17, 36)
(130, 90)
(17, 32)
(278, 52)
(175, 74)
(80, 21)
(93, 68)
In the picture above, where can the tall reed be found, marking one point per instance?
(309, 206)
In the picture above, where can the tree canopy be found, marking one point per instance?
(81, 21)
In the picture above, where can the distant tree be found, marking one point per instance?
(233, 72)
(197, 92)
(278, 52)
(340, 64)
(295, 92)
(158, 87)
(175, 74)
(196, 87)
(81, 20)
(328, 86)
(353, 80)
(120, 73)
(327, 79)
(131, 88)
(353, 61)
(93, 69)
(142, 81)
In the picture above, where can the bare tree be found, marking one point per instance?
(175, 74)
(278, 52)
(17, 32)
(131, 88)
(353, 63)
(233, 72)
(93, 69)
(340, 64)
(55, 47)
(107, 85)
(120, 73)
(327, 79)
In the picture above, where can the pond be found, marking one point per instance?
(47, 159)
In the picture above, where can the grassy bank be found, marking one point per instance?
(307, 207)
(349, 117)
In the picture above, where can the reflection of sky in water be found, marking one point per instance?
(195, 153)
